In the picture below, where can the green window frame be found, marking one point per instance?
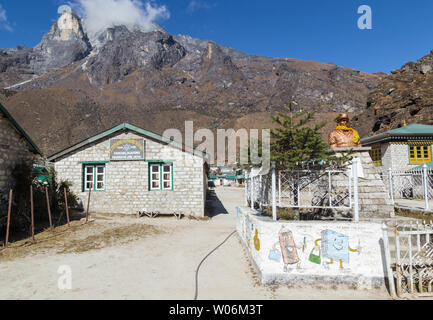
(161, 176)
(94, 177)
(419, 154)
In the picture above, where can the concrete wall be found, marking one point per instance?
(127, 182)
(362, 268)
(14, 148)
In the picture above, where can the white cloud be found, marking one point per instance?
(4, 23)
(99, 15)
(195, 5)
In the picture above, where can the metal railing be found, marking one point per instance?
(304, 189)
(409, 185)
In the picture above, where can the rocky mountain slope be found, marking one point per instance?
(405, 95)
(69, 87)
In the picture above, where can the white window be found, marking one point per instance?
(100, 178)
(88, 177)
(94, 177)
(155, 177)
(167, 176)
(161, 176)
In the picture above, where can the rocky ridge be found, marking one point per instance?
(141, 77)
(404, 96)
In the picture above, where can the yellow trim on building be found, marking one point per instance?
(419, 154)
(376, 155)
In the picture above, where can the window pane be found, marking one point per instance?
(155, 168)
(100, 185)
(100, 178)
(155, 176)
(155, 185)
(167, 185)
(101, 169)
(167, 176)
(167, 168)
(89, 169)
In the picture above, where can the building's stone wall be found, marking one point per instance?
(127, 182)
(386, 152)
(400, 157)
(14, 148)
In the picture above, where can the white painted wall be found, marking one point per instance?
(364, 268)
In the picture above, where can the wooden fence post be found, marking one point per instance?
(32, 213)
(9, 218)
(48, 207)
(66, 206)
(88, 202)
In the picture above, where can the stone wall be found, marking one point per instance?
(14, 148)
(127, 182)
(374, 199)
(313, 252)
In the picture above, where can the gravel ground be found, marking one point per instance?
(153, 259)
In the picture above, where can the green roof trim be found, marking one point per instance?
(413, 130)
(123, 127)
(93, 162)
(159, 161)
(20, 130)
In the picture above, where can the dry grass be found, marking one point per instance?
(79, 237)
(414, 214)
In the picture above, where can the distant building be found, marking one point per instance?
(404, 148)
(128, 169)
(15, 147)
(226, 176)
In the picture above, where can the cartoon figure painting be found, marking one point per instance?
(335, 246)
(288, 248)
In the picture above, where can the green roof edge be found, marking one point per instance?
(396, 133)
(20, 129)
(121, 127)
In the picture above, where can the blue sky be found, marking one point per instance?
(324, 31)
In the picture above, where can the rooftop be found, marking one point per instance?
(409, 131)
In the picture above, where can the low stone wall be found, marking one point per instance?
(313, 251)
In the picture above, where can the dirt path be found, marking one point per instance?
(156, 265)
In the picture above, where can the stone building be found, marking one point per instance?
(401, 149)
(15, 147)
(128, 170)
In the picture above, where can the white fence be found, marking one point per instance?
(308, 189)
(410, 185)
(409, 259)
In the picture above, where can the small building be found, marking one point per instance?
(15, 147)
(128, 170)
(401, 149)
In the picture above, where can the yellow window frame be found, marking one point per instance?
(376, 156)
(419, 154)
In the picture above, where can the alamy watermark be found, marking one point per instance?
(64, 282)
(365, 21)
(251, 150)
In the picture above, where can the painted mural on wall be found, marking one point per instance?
(332, 248)
(324, 249)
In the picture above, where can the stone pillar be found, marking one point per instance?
(374, 199)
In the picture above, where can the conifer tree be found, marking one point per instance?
(296, 145)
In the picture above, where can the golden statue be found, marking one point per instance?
(344, 136)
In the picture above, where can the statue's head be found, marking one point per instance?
(342, 119)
